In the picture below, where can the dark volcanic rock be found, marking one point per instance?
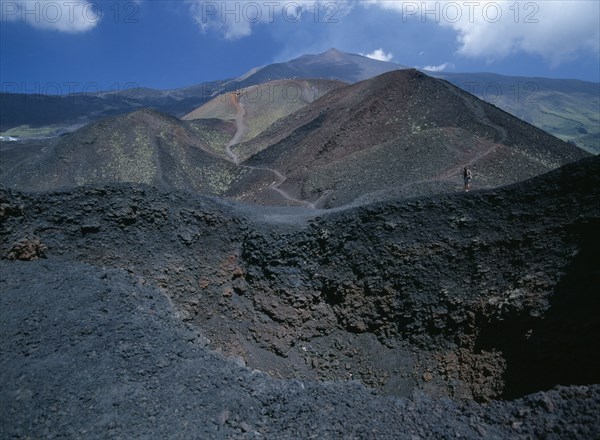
(95, 353)
(482, 296)
(484, 286)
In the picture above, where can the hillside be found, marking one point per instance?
(37, 115)
(140, 147)
(389, 320)
(567, 109)
(263, 104)
(399, 134)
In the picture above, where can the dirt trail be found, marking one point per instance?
(449, 174)
(453, 171)
(279, 177)
(475, 106)
(240, 128)
(275, 186)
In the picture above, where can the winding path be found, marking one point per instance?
(476, 107)
(448, 174)
(237, 137)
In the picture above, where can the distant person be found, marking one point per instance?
(467, 176)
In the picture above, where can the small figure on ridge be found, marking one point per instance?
(467, 176)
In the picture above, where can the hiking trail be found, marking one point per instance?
(279, 177)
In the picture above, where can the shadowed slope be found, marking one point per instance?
(566, 108)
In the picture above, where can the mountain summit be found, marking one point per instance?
(332, 64)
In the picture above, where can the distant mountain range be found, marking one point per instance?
(39, 116)
(568, 109)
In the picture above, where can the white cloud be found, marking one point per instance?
(210, 16)
(379, 55)
(73, 16)
(556, 30)
(235, 20)
(439, 68)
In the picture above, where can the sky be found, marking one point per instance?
(66, 46)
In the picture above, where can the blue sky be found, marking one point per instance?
(80, 45)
